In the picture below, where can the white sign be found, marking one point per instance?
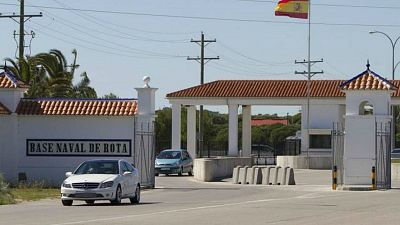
(78, 147)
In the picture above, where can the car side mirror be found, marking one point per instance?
(127, 173)
(68, 174)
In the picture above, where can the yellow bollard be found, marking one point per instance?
(373, 176)
(334, 178)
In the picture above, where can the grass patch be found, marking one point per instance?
(34, 193)
(5, 195)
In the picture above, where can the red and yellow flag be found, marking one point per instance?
(292, 8)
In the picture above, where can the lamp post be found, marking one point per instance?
(393, 43)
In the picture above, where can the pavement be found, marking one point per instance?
(182, 200)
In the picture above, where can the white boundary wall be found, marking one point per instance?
(16, 129)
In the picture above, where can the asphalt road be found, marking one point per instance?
(181, 200)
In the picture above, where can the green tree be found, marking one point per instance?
(49, 75)
(279, 135)
(110, 96)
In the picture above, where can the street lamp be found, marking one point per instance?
(393, 48)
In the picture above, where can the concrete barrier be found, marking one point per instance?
(213, 169)
(257, 176)
(282, 176)
(243, 175)
(266, 174)
(250, 175)
(275, 176)
(301, 162)
(235, 175)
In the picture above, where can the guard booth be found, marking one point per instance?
(362, 145)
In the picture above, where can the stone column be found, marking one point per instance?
(246, 130)
(233, 130)
(176, 125)
(191, 130)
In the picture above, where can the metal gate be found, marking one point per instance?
(338, 135)
(144, 152)
(382, 153)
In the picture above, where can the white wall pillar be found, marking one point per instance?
(176, 126)
(233, 130)
(246, 130)
(191, 130)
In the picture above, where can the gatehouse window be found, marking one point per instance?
(320, 141)
(366, 108)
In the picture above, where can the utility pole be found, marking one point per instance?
(309, 74)
(22, 19)
(202, 60)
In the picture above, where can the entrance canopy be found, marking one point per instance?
(326, 98)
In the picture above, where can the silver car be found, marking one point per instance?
(174, 161)
(95, 180)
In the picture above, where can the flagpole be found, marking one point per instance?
(308, 83)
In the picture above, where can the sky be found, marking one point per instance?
(119, 42)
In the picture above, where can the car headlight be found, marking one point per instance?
(176, 164)
(107, 184)
(66, 185)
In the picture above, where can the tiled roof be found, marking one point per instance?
(8, 80)
(87, 107)
(260, 122)
(4, 110)
(368, 80)
(261, 89)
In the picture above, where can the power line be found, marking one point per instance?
(103, 24)
(331, 5)
(135, 50)
(118, 53)
(124, 27)
(210, 18)
(105, 46)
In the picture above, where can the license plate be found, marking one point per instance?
(164, 168)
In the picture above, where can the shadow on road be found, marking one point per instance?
(122, 204)
(196, 188)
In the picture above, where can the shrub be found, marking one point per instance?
(5, 195)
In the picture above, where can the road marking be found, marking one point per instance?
(179, 210)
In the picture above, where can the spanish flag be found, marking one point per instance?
(292, 8)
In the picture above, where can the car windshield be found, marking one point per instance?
(169, 155)
(98, 167)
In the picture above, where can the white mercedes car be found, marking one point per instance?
(108, 179)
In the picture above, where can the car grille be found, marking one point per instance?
(86, 195)
(85, 185)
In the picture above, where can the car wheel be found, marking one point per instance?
(190, 173)
(67, 202)
(90, 202)
(118, 196)
(180, 172)
(136, 199)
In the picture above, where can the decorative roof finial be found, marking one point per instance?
(146, 80)
(368, 64)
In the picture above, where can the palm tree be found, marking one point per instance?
(48, 75)
(27, 71)
(83, 90)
